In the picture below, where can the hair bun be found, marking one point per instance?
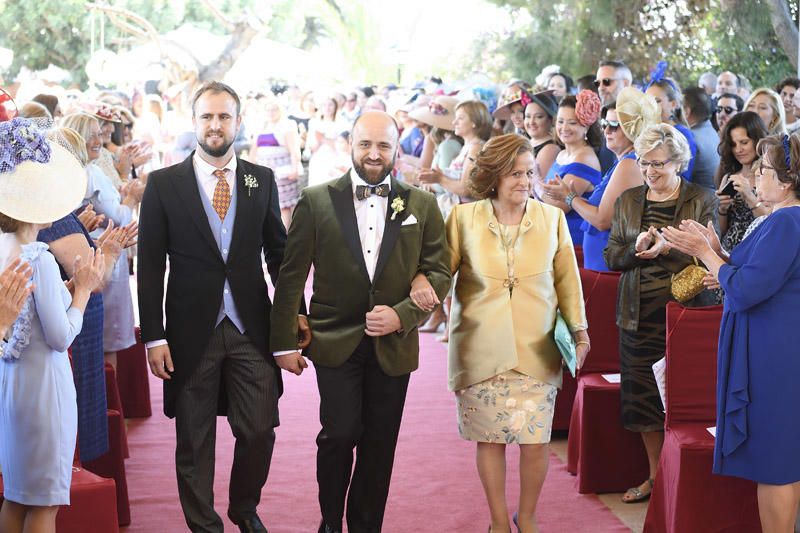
(587, 107)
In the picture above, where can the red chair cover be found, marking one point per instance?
(112, 465)
(686, 496)
(133, 378)
(114, 403)
(600, 295)
(605, 456)
(93, 505)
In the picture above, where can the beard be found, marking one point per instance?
(216, 152)
(373, 176)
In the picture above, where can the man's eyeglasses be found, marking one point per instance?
(613, 125)
(657, 165)
(728, 110)
(605, 81)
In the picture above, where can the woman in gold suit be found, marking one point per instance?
(516, 267)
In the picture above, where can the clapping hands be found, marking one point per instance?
(650, 244)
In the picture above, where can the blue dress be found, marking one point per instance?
(687, 174)
(582, 171)
(758, 367)
(38, 415)
(87, 356)
(595, 240)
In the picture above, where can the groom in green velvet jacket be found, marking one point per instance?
(367, 236)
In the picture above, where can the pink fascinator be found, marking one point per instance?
(587, 107)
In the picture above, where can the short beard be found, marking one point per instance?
(219, 152)
(362, 172)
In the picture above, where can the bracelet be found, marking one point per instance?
(568, 199)
(722, 213)
(587, 343)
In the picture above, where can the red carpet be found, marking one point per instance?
(435, 487)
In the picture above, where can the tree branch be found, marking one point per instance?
(241, 37)
(785, 29)
(229, 24)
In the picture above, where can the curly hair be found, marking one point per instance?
(672, 140)
(756, 130)
(495, 160)
(772, 150)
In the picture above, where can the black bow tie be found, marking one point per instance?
(365, 191)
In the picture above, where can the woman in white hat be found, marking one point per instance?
(39, 183)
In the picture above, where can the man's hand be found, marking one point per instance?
(160, 361)
(382, 320)
(303, 332)
(292, 362)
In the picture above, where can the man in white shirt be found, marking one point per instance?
(367, 235)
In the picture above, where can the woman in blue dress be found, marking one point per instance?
(38, 415)
(622, 123)
(577, 165)
(758, 369)
(668, 96)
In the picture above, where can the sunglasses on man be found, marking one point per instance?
(728, 110)
(605, 81)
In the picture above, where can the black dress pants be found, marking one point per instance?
(360, 407)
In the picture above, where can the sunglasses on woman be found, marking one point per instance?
(613, 125)
(605, 81)
(728, 110)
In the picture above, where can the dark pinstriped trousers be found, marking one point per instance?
(233, 362)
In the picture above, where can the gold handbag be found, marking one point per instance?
(688, 283)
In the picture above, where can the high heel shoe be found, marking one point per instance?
(515, 519)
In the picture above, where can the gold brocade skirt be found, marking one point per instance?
(508, 408)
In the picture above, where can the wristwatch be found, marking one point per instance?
(568, 199)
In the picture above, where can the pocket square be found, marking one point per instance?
(410, 219)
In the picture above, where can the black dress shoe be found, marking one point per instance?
(251, 524)
(325, 528)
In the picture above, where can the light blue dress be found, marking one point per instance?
(38, 410)
(574, 220)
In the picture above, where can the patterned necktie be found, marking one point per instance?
(365, 191)
(222, 194)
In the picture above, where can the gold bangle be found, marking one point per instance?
(587, 343)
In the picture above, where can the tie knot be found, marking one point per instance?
(220, 173)
(365, 191)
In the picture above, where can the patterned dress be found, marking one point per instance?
(642, 409)
(87, 356)
(739, 219)
(274, 155)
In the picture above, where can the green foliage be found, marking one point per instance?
(695, 36)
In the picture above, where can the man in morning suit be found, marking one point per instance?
(213, 214)
(366, 235)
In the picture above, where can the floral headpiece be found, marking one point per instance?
(516, 95)
(438, 109)
(659, 76)
(107, 113)
(587, 107)
(787, 153)
(21, 140)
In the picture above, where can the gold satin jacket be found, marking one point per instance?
(490, 332)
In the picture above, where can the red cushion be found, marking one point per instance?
(133, 378)
(691, 373)
(604, 455)
(687, 497)
(600, 296)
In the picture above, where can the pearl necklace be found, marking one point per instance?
(675, 190)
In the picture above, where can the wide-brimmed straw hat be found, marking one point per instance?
(40, 181)
(439, 113)
(511, 96)
(636, 111)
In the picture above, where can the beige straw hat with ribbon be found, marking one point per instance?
(636, 111)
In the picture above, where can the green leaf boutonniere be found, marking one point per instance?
(398, 206)
(250, 182)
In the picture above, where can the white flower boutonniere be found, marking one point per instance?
(250, 182)
(398, 206)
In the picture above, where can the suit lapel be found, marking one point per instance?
(185, 184)
(341, 193)
(391, 230)
(243, 205)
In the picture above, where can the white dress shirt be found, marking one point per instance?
(371, 219)
(204, 171)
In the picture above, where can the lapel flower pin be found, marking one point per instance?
(250, 182)
(398, 206)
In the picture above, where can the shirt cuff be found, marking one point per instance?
(282, 352)
(153, 344)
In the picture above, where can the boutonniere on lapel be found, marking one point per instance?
(250, 182)
(398, 206)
